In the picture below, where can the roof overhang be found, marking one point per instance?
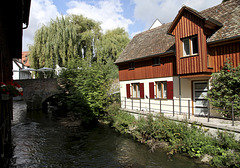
(209, 22)
(165, 54)
(26, 12)
(224, 41)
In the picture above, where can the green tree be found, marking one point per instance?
(225, 89)
(63, 41)
(86, 90)
(111, 44)
(109, 47)
(77, 43)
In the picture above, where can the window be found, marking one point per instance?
(190, 46)
(156, 61)
(132, 65)
(135, 90)
(161, 89)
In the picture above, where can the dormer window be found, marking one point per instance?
(131, 65)
(156, 61)
(190, 46)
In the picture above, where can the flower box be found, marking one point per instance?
(10, 89)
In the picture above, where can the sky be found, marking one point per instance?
(135, 16)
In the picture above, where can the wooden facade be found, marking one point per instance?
(145, 69)
(218, 55)
(216, 37)
(187, 26)
(201, 42)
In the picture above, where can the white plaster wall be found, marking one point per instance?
(154, 104)
(15, 74)
(166, 105)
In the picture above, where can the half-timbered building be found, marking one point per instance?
(171, 65)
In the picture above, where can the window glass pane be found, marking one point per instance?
(195, 45)
(134, 90)
(132, 65)
(164, 89)
(186, 50)
(201, 103)
(201, 111)
(200, 95)
(201, 86)
(156, 61)
(159, 90)
(138, 89)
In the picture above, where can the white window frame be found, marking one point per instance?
(189, 40)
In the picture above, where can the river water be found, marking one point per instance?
(40, 140)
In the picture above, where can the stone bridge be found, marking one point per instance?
(36, 91)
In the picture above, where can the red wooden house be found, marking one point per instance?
(175, 61)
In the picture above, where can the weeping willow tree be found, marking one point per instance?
(109, 47)
(64, 42)
(74, 40)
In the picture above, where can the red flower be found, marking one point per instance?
(228, 70)
(1, 83)
(16, 84)
(4, 90)
(8, 93)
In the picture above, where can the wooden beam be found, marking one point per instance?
(196, 76)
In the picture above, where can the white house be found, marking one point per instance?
(20, 70)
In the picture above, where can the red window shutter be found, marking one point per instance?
(128, 91)
(170, 90)
(142, 90)
(151, 90)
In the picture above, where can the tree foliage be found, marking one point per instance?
(225, 89)
(78, 44)
(109, 47)
(74, 38)
(86, 90)
(111, 44)
(63, 41)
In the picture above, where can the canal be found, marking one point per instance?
(40, 140)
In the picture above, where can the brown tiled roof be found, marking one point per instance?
(157, 41)
(228, 14)
(148, 43)
(25, 59)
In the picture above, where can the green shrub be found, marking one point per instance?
(225, 89)
(180, 137)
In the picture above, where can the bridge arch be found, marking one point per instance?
(36, 91)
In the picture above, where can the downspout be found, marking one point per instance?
(180, 93)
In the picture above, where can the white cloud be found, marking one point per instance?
(41, 12)
(108, 12)
(166, 10)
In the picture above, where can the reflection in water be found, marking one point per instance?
(40, 141)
